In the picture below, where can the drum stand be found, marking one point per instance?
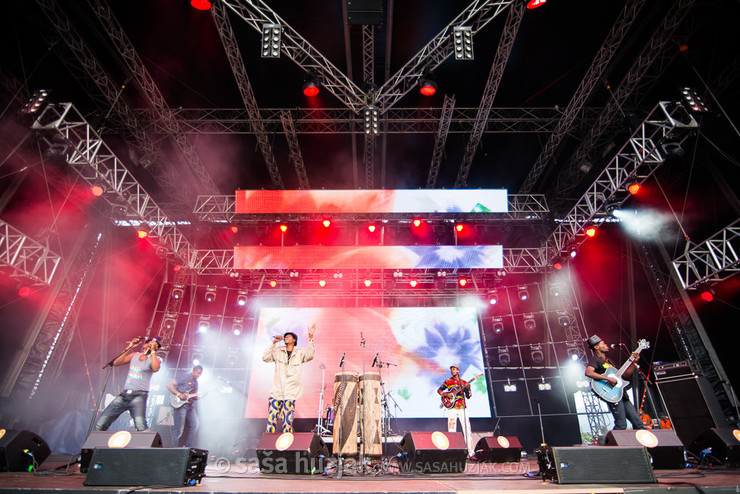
(320, 429)
(385, 429)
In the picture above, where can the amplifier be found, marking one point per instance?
(671, 370)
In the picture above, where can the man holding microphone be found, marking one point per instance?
(287, 382)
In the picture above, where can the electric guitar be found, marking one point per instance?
(455, 390)
(613, 392)
(176, 402)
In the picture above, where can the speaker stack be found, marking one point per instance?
(292, 452)
(663, 445)
(21, 450)
(498, 449)
(432, 452)
(116, 440)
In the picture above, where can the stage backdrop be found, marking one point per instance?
(421, 343)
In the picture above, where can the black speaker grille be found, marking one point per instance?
(602, 465)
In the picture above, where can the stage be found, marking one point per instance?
(221, 477)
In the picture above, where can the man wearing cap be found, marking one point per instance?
(142, 365)
(623, 410)
(287, 383)
(457, 390)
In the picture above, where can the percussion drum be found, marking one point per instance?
(345, 418)
(370, 398)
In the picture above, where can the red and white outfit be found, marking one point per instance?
(458, 411)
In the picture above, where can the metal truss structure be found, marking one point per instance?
(25, 256)
(439, 143)
(294, 150)
(503, 51)
(340, 121)
(640, 156)
(715, 259)
(588, 84)
(91, 158)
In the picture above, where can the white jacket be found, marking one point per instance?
(287, 383)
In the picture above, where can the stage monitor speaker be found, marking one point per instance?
(663, 445)
(432, 452)
(364, 12)
(601, 465)
(21, 450)
(499, 449)
(292, 452)
(692, 406)
(718, 445)
(163, 467)
(116, 439)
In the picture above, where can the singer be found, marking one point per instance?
(142, 365)
(623, 410)
(287, 382)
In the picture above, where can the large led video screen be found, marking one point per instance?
(418, 344)
(371, 201)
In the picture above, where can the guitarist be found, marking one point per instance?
(624, 409)
(185, 416)
(458, 390)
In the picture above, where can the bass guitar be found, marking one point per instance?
(176, 402)
(455, 391)
(613, 392)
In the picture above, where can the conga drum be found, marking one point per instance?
(345, 414)
(371, 413)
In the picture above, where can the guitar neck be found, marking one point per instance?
(627, 363)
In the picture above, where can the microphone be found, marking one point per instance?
(616, 345)
(375, 360)
(341, 362)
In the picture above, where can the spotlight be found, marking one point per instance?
(493, 297)
(558, 266)
(338, 276)
(613, 209)
(416, 222)
(590, 232)
(573, 253)
(36, 102)
(271, 34)
(413, 283)
(441, 274)
(142, 233)
(533, 4)
(283, 228)
(693, 100)
(564, 321)
(537, 354)
(293, 274)
(177, 293)
(504, 358)
(498, 325)
(462, 281)
(544, 386)
(368, 283)
(326, 223)
(204, 325)
(523, 293)
(459, 227)
(237, 328)
(672, 148)
(371, 228)
(200, 4)
(529, 322)
(427, 87)
(555, 290)
(633, 188)
(310, 86)
(168, 323)
(210, 294)
(272, 283)
(197, 358)
(234, 229)
(372, 116)
(398, 274)
(707, 295)
(97, 190)
(462, 38)
(508, 387)
(322, 283)
(24, 291)
(241, 299)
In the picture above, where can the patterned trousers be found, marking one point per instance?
(277, 409)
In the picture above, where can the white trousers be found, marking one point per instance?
(453, 414)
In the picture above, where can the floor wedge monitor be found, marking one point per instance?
(432, 452)
(292, 452)
(663, 445)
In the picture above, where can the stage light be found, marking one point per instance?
(555, 290)
(416, 222)
(398, 274)
(508, 387)
(272, 283)
(283, 228)
(142, 233)
(462, 39)
(176, 267)
(523, 293)
(533, 4)
(168, 323)
(368, 283)
(234, 229)
(504, 358)
(693, 100)
(371, 228)
(97, 190)
(197, 358)
(326, 223)
(441, 274)
(573, 356)
(498, 325)
(338, 276)
(200, 4)
(462, 281)
(544, 386)
(210, 294)
(613, 209)
(294, 274)
(573, 253)
(241, 299)
(310, 85)
(413, 283)
(564, 321)
(36, 102)
(204, 325)
(459, 227)
(537, 354)
(271, 34)
(591, 231)
(529, 322)
(557, 266)
(371, 117)
(427, 87)
(493, 297)
(707, 295)
(24, 291)
(237, 328)
(322, 283)
(633, 188)
(177, 293)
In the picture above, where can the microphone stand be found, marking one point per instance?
(108, 366)
(466, 432)
(320, 429)
(362, 410)
(340, 460)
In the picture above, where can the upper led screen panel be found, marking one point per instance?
(371, 201)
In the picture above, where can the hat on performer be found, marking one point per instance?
(454, 367)
(157, 339)
(593, 341)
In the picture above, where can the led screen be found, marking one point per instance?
(369, 257)
(370, 201)
(420, 343)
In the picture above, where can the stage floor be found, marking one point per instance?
(478, 478)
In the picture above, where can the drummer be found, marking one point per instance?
(287, 381)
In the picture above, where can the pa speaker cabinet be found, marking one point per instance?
(21, 450)
(692, 406)
(163, 467)
(499, 449)
(292, 452)
(433, 452)
(602, 465)
(364, 12)
(113, 439)
(663, 445)
(721, 444)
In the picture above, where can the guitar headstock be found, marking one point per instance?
(643, 345)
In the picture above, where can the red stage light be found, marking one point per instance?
(310, 89)
(368, 283)
(634, 188)
(533, 4)
(176, 267)
(24, 291)
(428, 88)
(371, 228)
(273, 283)
(234, 229)
(322, 283)
(417, 222)
(200, 4)
(283, 228)
(462, 281)
(413, 283)
(557, 265)
(707, 296)
(459, 227)
(327, 223)
(96, 190)
(141, 233)
(591, 231)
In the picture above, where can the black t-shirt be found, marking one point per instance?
(599, 364)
